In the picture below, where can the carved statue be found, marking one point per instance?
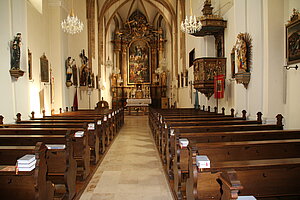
(84, 72)
(163, 78)
(15, 50)
(68, 71)
(241, 49)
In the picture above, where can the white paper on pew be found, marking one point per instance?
(113, 114)
(183, 142)
(91, 126)
(26, 165)
(79, 134)
(26, 169)
(166, 125)
(28, 158)
(202, 161)
(55, 146)
(105, 118)
(246, 198)
(99, 122)
(109, 116)
(172, 132)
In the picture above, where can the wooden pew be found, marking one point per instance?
(232, 151)
(181, 155)
(61, 166)
(24, 136)
(93, 135)
(260, 178)
(27, 185)
(169, 134)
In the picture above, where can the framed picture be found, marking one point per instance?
(293, 42)
(191, 57)
(139, 63)
(29, 65)
(232, 60)
(178, 80)
(182, 80)
(44, 69)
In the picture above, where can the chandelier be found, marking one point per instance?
(190, 25)
(72, 24)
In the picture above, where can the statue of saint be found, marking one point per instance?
(69, 71)
(163, 78)
(84, 72)
(16, 52)
(241, 49)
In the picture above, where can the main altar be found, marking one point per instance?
(138, 79)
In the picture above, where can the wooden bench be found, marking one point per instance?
(226, 154)
(260, 178)
(61, 166)
(81, 153)
(93, 135)
(27, 185)
(181, 155)
(169, 134)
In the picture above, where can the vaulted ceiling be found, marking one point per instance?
(122, 9)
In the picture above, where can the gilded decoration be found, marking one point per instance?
(139, 39)
(205, 69)
(243, 49)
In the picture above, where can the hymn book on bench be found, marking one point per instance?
(55, 146)
(26, 163)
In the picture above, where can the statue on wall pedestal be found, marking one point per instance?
(85, 78)
(15, 52)
(69, 71)
(243, 49)
(15, 57)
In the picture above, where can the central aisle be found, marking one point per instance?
(131, 169)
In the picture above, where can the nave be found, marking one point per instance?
(131, 169)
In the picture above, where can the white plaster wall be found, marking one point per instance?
(7, 106)
(15, 97)
(292, 106)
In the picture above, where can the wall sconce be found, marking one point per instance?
(290, 67)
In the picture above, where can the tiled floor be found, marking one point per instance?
(131, 169)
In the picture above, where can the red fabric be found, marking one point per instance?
(75, 102)
(219, 82)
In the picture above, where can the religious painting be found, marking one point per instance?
(293, 42)
(29, 65)
(139, 63)
(44, 69)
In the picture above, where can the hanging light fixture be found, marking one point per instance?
(72, 24)
(190, 25)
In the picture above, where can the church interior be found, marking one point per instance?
(150, 99)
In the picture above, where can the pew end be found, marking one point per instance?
(230, 185)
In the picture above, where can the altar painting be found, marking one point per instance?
(139, 65)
